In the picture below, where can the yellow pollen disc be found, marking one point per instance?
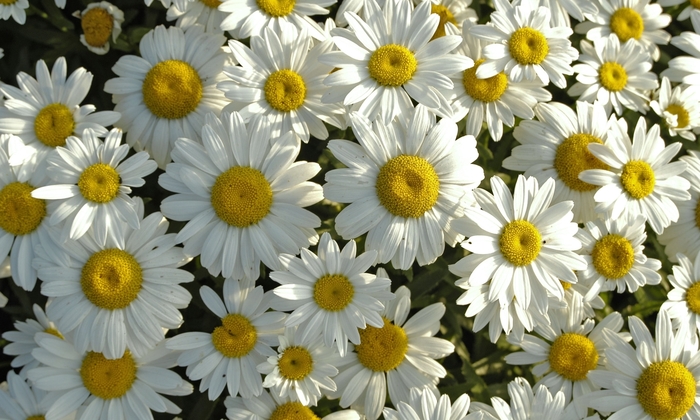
(172, 89)
(293, 411)
(528, 46)
(99, 183)
(285, 90)
(695, 3)
(241, 196)
(296, 363)
(54, 332)
(445, 16)
(572, 157)
(613, 256)
(382, 349)
(682, 115)
(626, 23)
(573, 356)
(111, 279)
(276, 8)
(236, 336)
(333, 292)
(213, 4)
(106, 378)
(32, 417)
(638, 179)
(392, 65)
(666, 390)
(53, 124)
(565, 285)
(692, 298)
(484, 90)
(20, 213)
(407, 186)
(97, 26)
(612, 76)
(520, 242)
(8, 2)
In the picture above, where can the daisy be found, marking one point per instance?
(331, 292)
(450, 11)
(165, 94)
(405, 183)
(241, 196)
(100, 22)
(16, 9)
(683, 301)
(616, 75)
(198, 12)
(522, 246)
(388, 59)
(524, 404)
(562, 9)
(525, 45)
(641, 180)
(423, 405)
(692, 6)
(22, 402)
(45, 111)
(228, 357)
(268, 406)
(679, 108)
(99, 387)
(685, 69)
(22, 340)
(120, 295)
(556, 146)
(398, 356)
(92, 184)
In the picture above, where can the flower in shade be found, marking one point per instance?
(20, 401)
(22, 339)
(100, 22)
(683, 301)
(685, 68)
(16, 9)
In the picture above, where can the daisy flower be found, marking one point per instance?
(455, 12)
(525, 45)
(692, 6)
(398, 356)
(100, 387)
(22, 402)
(524, 404)
(268, 406)
(618, 76)
(405, 183)
(556, 146)
(165, 94)
(679, 108)
(683, 301)
(100, 22)
(522, 246)
(641, 180)
(331, 292)
(197, 12)
(562, 9)
(93, 181)
(16, 9)
(388, 59)
(22, 340)
(685, 69)
(423, 405)
(45, 111)
(228, 357)
(120, 295)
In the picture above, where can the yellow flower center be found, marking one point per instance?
(111, 279)
(565, 285)
(613, 256)
(333, 292)
(97, 26)
(20, 213)
(528, 46)
(445, 16)
(573, 356)
(626, 23)
(236, 336)
(53, 124)
(484, 90)
(382, 349)
(695, 3)
(172, 89)
(106, 378)
(572, 157)
(296, 363)
(612, 76)
(213, 4)
(520, 242)
(638, 179)
(407, 186)
(666, 390)
(293, 411)
(285, 90)
(54, 332)
(8, 2)
(697, 214)
(276, 8)
(241, 196)
(681, 114)
(30, 417)
(392, 65)
(99, 183)
(692, 298)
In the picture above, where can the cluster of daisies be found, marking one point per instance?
(215, 111)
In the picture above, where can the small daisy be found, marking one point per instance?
(685, 69)
(268, 406)
(22, 402)
(100, 22)
(229, 356)
(450, 11)
(524, 404)
(683, 301)
(16, 9)
(641, 180)
(22, 340)
(198, 12)
(165, 95)
(692, 7)
(679, 108)
(423, 405)
(405, 183)
(242, 197)
(93, 181)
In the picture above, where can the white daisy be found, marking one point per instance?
(165, 95)
(562, 9)
(685, 69)
(524, 404)
(229, 356)
(641, 180)
(268, 406)
(683, 301)
(100, 22)
(455, 12)
(692, 7)
(16, 9)
(423, 405)
(242, 197)
(405, 183)
(22, 402)
(198, 12)
(22, 340)
(679, 108)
